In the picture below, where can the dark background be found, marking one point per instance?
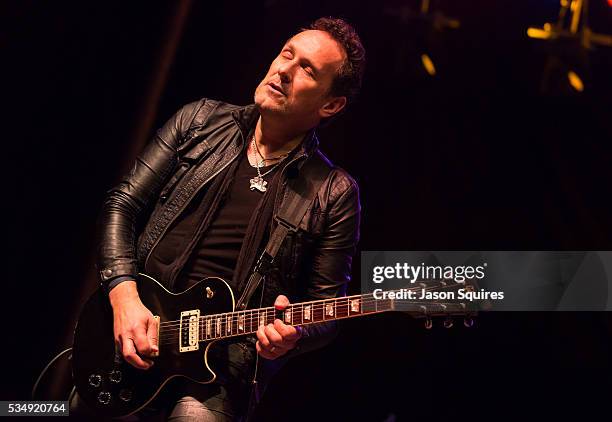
(483, 156)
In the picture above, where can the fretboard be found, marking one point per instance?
(238, 323)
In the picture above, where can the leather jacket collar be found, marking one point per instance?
(246, 117)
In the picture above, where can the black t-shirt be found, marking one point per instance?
(217, 251)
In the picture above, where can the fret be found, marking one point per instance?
(368, 305)
(255, 320)
(252, 322)
(228, 324)
(208, 327)
(318, 313)
(288, 315)
(298, 314)
(342, 307)
(329, 310)
(262, 318)
(355, 306)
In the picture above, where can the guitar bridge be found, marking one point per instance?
(189, 333)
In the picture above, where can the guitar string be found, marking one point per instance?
(339, 308)
(266, 313)
(366, 297)
(254, 314)
(170, 340)
(250, 316)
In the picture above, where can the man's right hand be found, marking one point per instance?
(134, 326)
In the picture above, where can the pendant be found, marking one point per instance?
(258, 183)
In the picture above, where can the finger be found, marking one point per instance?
(130, 355)
(288, 332)
(261, 337)
(275, 338)
(281, 302)
(152, 330)
(264, 353)
(142, 341)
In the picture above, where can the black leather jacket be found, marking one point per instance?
(199, 141)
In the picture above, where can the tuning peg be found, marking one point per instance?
(448, 322)
(468, 322)
(428, 323)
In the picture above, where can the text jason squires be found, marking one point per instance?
(413, 273)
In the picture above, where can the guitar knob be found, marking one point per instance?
(95, 380)
(104, 397)
(125, 394)
(209, 293)
(428, 323)
(448, 323)
(468, 322)
(115, 376)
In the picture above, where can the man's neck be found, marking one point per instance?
(274, 137)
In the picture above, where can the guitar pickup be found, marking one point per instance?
(189, 331)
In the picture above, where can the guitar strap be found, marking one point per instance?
(300, 194)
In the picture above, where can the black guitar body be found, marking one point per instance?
(113, 387)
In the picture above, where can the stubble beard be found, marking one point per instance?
(266, 103)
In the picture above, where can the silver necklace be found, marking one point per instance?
(263, 160)
(258, 182)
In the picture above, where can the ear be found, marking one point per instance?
(333, 106)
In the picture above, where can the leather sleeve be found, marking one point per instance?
(333, 257)
(127, 205)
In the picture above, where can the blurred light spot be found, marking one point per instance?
(575, 81)
(428, 64)
(541, 34)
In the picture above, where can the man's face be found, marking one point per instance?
(299, 79)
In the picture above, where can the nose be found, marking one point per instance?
(284, 72)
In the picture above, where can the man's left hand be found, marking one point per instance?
(274, 340)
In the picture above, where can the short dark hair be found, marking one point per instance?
(347, 82)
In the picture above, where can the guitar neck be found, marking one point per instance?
(219, 326)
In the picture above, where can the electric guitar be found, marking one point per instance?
(189, 324)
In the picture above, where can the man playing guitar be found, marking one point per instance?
(202, 200)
